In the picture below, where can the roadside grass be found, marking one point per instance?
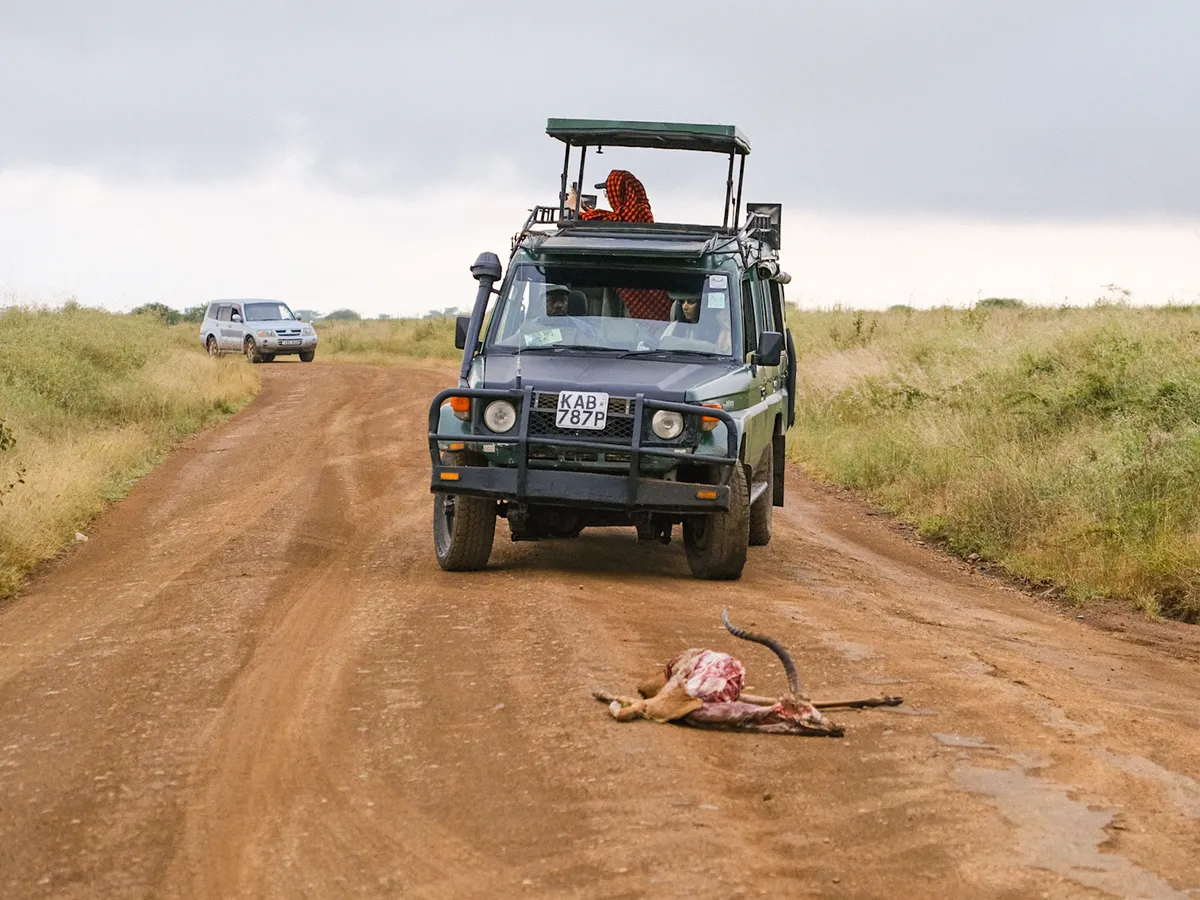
(1060, 444)
(92, 401)
(387, 340)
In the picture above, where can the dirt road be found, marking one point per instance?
(254, 681)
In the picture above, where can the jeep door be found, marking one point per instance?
(765, 398)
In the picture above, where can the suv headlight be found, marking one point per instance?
(265, 332)
(667, 424)
(307, 329)
(500, 416)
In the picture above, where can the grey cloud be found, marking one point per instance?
(1019, 108)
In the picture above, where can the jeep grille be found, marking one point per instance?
(618, 428)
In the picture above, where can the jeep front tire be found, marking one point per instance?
(716, 543)
(463, 527)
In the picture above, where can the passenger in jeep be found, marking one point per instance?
(629, 203)
(687, 324)
(626, 196)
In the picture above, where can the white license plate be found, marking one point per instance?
(289, 342)
(582, 409)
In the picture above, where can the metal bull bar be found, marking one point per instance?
(566, 487)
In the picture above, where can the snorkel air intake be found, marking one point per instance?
(487, 272)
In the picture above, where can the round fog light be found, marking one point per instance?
(500, 416)
(667, 424)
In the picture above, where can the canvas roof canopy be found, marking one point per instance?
(658, 135)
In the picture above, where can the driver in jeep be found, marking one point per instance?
(558, 323)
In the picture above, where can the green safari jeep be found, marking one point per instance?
(626, 373)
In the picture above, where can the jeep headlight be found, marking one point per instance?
(667, 424)
(307, 329)
(265, 332)
(500, 416)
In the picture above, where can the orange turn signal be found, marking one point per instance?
(706, 495)
(708, 423)
(461, 407)
(457, 445)
(449, 476)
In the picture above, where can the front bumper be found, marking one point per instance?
(286, 345)
(563, 487)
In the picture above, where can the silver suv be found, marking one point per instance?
(262, 329)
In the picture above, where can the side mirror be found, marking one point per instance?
(770, 349)
(236, 317)
(461, 324)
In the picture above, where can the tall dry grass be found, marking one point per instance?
(93, 399)
(387, 340)
(1062, 444)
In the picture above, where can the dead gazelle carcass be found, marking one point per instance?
(703, 688)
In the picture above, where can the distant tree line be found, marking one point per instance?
(171, 316)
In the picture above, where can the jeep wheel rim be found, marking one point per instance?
(445, 523)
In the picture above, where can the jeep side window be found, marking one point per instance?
(212, 311)
(749, 320)
(777, 304)
(766, 315)
(225, 314)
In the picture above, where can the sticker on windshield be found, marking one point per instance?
(543, 338)
(718, 282)
(716, 299)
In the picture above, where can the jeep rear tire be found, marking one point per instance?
(760, 509)
(463, 527)
(716, 542)
(211, 346)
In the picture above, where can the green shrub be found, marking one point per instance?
(1061, 444)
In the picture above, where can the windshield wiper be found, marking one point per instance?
(569, 347)
(707, 354)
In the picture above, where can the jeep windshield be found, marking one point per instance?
(267, 312)
(618, 309)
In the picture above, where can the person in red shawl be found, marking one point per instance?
(630, 204)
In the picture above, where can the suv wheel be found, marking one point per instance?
(716, 542)
(251, 351)
(760, 509)
(211, 346)
(463, 527)
(307, 355)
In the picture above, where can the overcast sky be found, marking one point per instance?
(360, 154)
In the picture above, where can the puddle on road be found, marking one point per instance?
(1183, 791)
(1062, 835)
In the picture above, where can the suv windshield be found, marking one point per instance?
(614, 309)
(264, 312)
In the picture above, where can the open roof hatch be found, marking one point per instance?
(584, 133)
